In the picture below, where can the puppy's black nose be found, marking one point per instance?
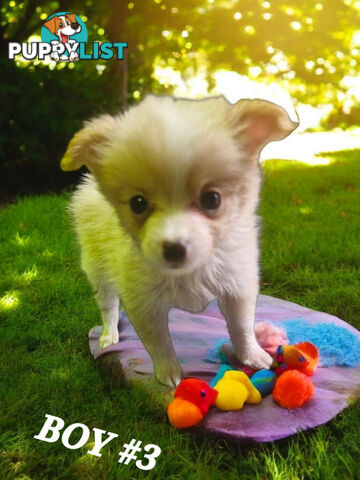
(174, 251)
(75, 25)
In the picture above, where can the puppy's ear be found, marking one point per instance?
(71, 17)
(262, 122)
(87, 146)
(51, 24)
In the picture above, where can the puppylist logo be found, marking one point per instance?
(63, 37)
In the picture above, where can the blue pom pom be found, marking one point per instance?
(216, 355)
(337, 345)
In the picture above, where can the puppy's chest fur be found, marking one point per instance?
(191, 293)
(148, 289)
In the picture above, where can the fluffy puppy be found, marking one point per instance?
(167, 217)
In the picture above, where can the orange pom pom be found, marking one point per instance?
(183, 414)
(293, 389)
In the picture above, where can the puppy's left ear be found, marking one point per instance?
(261, 122)
(51, 25)
(71, 17)
(87, 146)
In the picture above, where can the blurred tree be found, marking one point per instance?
(311, 48)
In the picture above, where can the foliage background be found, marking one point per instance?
(310, 49)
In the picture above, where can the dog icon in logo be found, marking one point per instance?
(63, 26)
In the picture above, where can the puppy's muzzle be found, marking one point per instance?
(174, 252)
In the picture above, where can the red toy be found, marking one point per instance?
(292, 363)
(192, 400)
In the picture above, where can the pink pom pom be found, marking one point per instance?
(269, 336)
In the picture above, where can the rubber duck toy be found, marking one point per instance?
(234, 389)
(192, 399)
(303, 357)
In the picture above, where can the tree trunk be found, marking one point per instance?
(117, 31)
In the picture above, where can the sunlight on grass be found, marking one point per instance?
(30, 274)
(47, 253)
(310, 147)
(315, 160)
(305, 210)
(21, 241)
(60, 373)
(9, 301)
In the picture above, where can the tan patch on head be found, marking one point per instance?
(217, 167)
(71, 17)
(171, 155)
(53, 24)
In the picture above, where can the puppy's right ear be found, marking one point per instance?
(87, 146)
(261, 122)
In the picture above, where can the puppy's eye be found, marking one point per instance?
(210, 200)
(138, 204)
(61, 24)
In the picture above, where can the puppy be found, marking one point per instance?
(63, 26)
(167, 217)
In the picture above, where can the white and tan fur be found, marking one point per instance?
(63, 26)
(171, 151)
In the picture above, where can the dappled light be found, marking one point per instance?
(47, 253)
(60, 374)
(9, 301)
(20, 240)
(30, 274)
(305, 210)
(302, 55)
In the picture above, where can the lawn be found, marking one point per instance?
(311, 255)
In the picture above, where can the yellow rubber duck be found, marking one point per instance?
(234, 389)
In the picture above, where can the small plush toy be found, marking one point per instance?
(302, 357)
(264, 381)
(192, 399)
(293, 389)
(234, 389)
(294, 364)
(230, 389)
(220, 373)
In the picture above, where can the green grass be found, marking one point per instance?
(311, 255)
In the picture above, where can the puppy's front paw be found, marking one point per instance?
(169, 373)
(108, 339)
(254, 356)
